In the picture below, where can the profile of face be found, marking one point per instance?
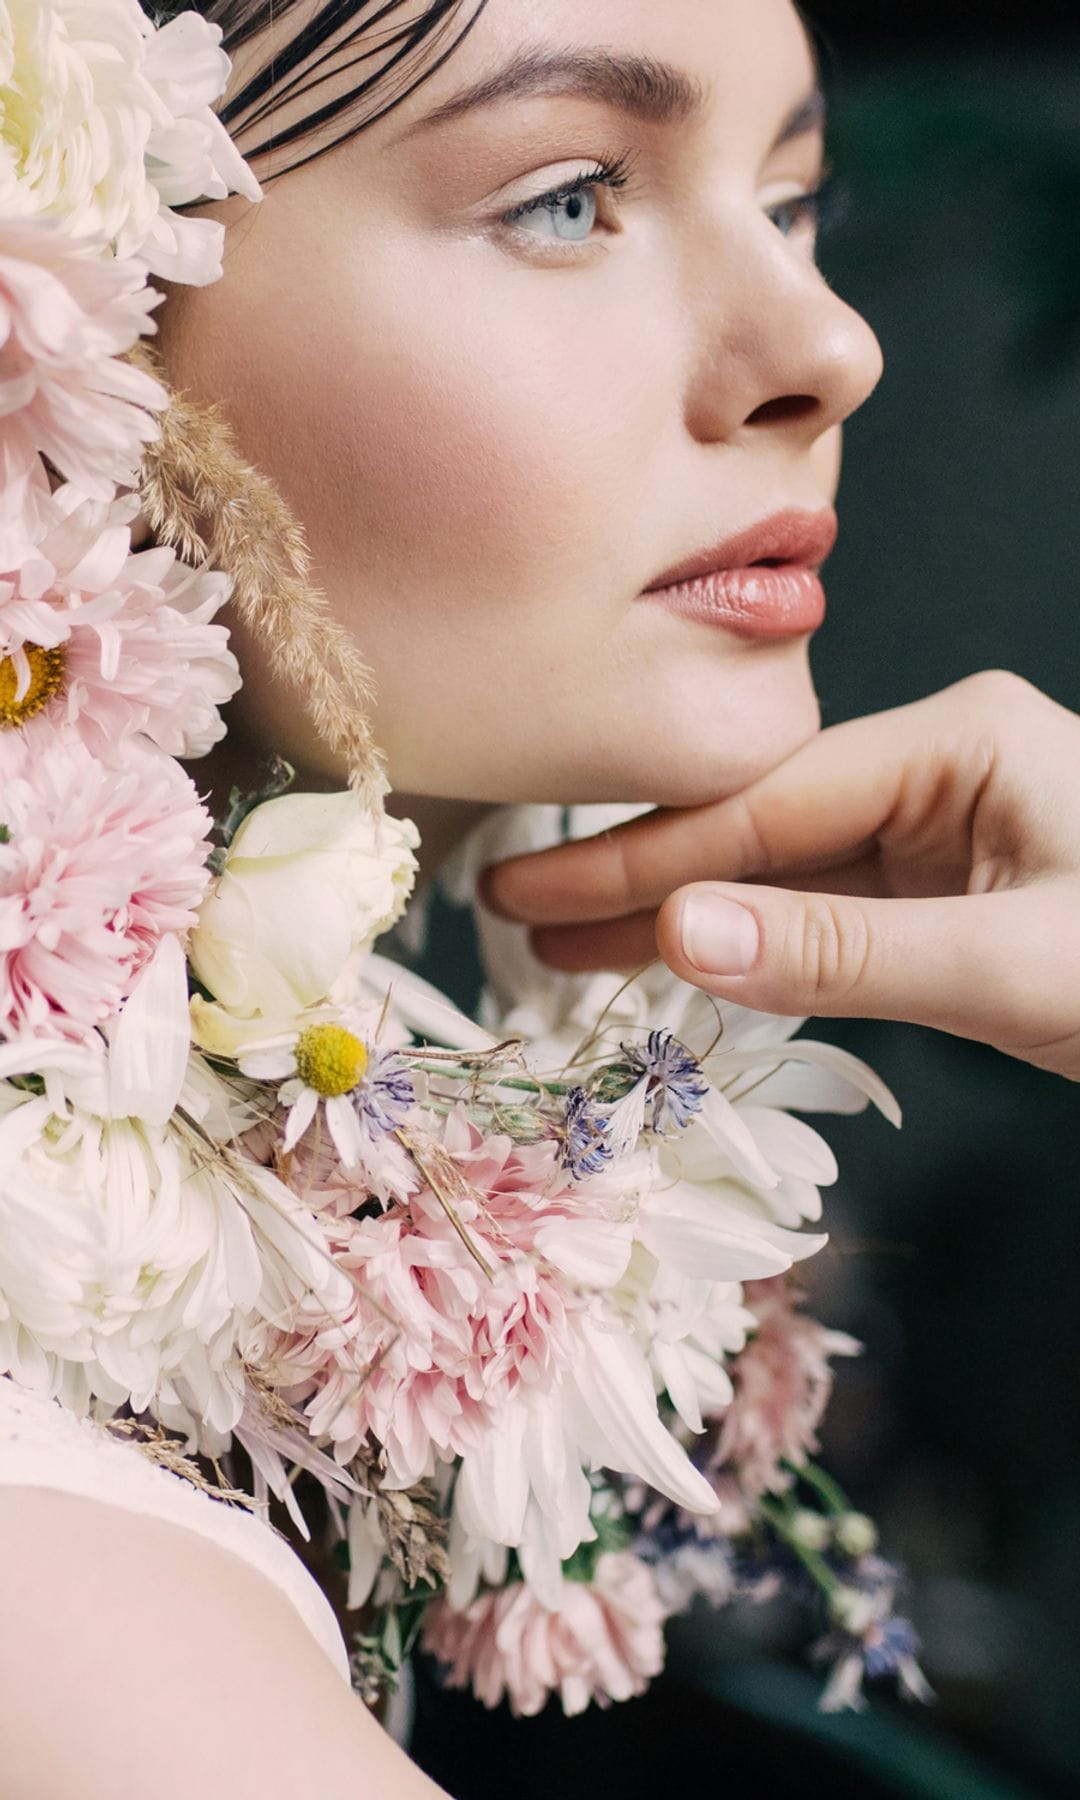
(513, 355)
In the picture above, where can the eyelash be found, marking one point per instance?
(610, 172)
(823, 206)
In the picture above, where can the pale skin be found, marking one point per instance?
(495, 439)
(922, 864)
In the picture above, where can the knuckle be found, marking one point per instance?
(623, 874)
(830, 949)
(996, 693)
(751, 843)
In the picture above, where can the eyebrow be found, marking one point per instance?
(640, 85)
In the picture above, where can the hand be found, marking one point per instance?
(925, 865)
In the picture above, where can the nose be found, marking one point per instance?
(775, 349)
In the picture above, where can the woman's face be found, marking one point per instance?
(500, 422)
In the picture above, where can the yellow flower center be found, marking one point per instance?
(46, 679)
(330, 1059)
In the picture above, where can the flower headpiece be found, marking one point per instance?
(516, 1295)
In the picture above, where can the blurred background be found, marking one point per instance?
(956, 1246)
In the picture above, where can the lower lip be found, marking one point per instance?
(787, 601)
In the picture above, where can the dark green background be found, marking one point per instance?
(956, 1253)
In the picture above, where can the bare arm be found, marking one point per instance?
(136, 1659)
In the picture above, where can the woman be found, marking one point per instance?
(430, 339)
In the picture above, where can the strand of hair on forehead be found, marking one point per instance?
(205, 502)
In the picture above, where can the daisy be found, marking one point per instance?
(364, 1094)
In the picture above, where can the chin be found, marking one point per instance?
(704, 746)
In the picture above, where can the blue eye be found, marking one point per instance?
(569, 213)
(818, 209)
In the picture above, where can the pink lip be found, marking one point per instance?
(762, 583)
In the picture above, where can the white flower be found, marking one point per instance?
(107, 127)
(66, 392)
(310, 880)
(135, 1263)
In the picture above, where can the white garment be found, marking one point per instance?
(43, 1444)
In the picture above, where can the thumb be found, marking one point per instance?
(984, 966)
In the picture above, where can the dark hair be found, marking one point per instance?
(393, 58)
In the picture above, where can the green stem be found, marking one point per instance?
(779, 1516)
(520, 1083)
(828, 1491)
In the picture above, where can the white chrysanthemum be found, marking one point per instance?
(107, 127)
(67, 392)
(137, 1258)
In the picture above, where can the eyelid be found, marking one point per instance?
(611, 172)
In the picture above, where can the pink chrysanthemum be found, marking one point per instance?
(67, 315)
(455, 1314)
(111, 642)
(96, 865)
(782, 1384)
(605, 1643)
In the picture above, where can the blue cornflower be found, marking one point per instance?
(890, 1648)
(386, 1093)
(676, 1086)
(585, 1150)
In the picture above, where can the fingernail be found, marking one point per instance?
(718, 936)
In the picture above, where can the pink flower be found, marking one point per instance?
(782, 1384)
(455, 1316)
(111, 642)
(605, 1642)
(67, 315)
(96, 865)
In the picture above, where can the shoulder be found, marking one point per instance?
(137, 1657)
(44, 1445)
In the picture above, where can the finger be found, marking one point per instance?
(824, 803)
(629, 942)
(612, 944)
(1004, 967)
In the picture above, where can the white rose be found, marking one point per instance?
(310, 880)
(106, 126)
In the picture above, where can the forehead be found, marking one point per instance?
(734, 54)
(744, 62)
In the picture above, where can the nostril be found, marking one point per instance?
(785, 409)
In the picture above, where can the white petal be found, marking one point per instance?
(150, 1040)
(839, 1082)
(345, 1130)
(301, 1113)
(671, 1367)
(728, 1132)
(704, 1233)
(366, 1551)
(492, 1485)
(615, 1391)
(592, 1251)
(541, 1563)
(427, 1012)
(791, 1145)
(268, 1065)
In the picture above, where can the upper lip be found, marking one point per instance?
(785, 537)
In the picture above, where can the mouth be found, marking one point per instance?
(761, 583)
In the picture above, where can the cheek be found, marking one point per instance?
(475, 448)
